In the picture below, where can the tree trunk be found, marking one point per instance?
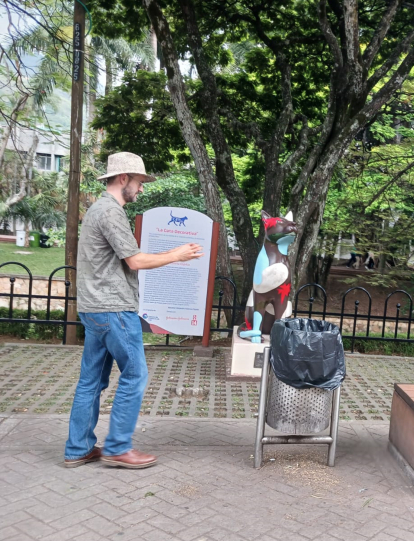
(326, 265)
(154, 47)
(317, 271)
(26, 236)
(312, 270)
(312, 206)
(109, 83)
(273, 188)
(274, 180)
(382, 262)
(192, 138)
(383, 256)
(226, 179)
(91, 109)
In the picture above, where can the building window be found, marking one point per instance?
(44, 161)
(59, 163)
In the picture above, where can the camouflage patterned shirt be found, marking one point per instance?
(105, 282)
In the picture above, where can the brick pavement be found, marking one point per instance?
(204, 487)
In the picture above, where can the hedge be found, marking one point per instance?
(39, 331)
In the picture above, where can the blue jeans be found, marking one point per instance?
(108, 336)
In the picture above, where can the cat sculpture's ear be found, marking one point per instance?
(289, 216)
(265, 215)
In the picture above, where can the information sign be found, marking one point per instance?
(172, 299)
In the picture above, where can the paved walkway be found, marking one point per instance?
(42, 379)
(204, 487)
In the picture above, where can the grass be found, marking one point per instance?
(40, 261)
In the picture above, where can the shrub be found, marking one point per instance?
(39, 331)
(380, 347)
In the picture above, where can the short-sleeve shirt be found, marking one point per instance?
(105, 283)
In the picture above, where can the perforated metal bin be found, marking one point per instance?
(297, 411)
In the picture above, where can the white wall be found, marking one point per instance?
(49, 143)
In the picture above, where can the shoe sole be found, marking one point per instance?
(78, 463)
(115, 463)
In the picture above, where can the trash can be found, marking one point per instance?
(308, 363)
(20, 238)
(297, 411)
(34, 239)
(43, 241)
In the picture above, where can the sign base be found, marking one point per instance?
(243, 355)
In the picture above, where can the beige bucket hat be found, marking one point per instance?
(126, 163)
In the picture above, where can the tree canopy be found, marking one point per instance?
(303, 81)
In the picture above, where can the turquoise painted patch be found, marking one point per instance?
(249, 334)
(262, 263)
(257, 320)
(284, 244)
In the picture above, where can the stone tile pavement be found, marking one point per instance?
(42, 379)
(204, 487)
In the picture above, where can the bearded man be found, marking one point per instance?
(107, 285)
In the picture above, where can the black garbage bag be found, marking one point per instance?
(43, 241)
(307, 353)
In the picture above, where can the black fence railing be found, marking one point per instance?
(30, 296)
(354, 324)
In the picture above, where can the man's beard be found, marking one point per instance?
(128, 194)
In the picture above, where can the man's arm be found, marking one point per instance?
(186, 252)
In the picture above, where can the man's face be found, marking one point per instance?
(132, 188)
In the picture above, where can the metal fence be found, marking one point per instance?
(394, 326)
(353, 324)
(30, 297)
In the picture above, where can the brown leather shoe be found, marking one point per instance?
(93, 456)
(131, 459)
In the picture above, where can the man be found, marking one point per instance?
(108, 258)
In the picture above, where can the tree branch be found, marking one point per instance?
(401, 48)
(390, 183)
(21, 102)
(317, 150)
(293, 159)
(189, 130)
(379, 34)
(26, 167)
(394, 83)
(354, 60)
(250, 129)
(330, 36)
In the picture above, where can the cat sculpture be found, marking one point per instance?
(269, 298)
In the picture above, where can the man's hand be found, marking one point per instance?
(186, 252)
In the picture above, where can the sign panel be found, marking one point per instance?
(172, 299)
(77, 53)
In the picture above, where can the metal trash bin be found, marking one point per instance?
(301, 384)
(20, 238)
(34, 239)
(297, 411)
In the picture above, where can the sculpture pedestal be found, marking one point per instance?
(242, 356)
